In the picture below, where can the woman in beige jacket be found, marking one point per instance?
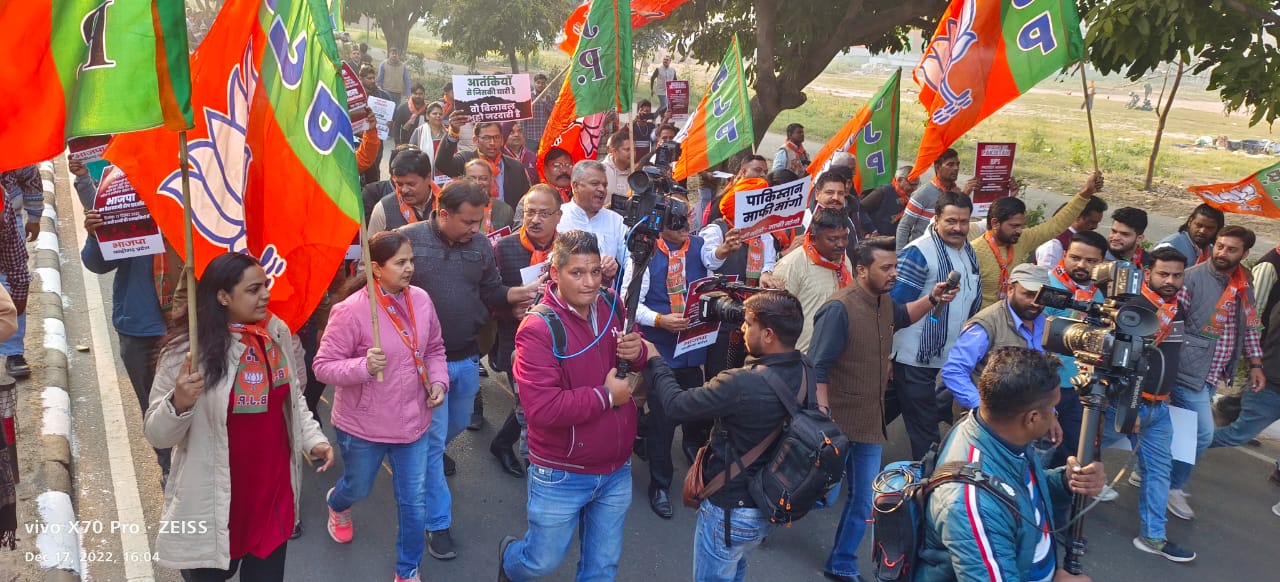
(237, 423)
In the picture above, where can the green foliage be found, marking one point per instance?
(395, 17)
(1035, 215)
(1233, 39)
(473, 28)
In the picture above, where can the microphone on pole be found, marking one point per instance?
(953, 283)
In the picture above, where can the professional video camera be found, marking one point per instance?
(647, 212)
(1112, 345)
(724, 302)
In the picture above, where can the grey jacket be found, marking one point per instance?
(1204, 286)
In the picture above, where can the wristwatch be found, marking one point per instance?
(933, 300)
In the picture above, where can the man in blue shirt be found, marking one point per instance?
(1016, 321)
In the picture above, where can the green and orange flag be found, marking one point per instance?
(871, 137)
(721, 124)
(1259, 194)
(272, 157)
(598, 80)
(89, 67)
(984, 54)
(642, 12)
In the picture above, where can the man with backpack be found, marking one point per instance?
(973, 533)
(730, 482)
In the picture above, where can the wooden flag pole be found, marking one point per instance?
(368, 280)
(190, 268)
(552, 83)
(1088, 112)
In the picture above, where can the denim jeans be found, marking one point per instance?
(447, 421)
(13, 345)
(559, 503)
(713, 561)
(861, 465)
(1154, 439)
(361, 460)
(1201, 402)
(1257, 411)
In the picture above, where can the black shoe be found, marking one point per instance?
(440, 545)
(502, 554)
(508, 461)
(17, 366)
(450, 467)
(1275, 476)
(297, 531)
(841, 578)
(660, 502)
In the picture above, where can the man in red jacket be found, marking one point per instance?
(582, 421)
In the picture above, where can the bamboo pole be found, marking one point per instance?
(369, 283)
(190, 268)
(1088, 111)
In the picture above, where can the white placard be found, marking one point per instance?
(383, 110)
(1184, 434)
(532, 272)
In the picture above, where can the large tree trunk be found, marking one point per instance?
(1164, 114)
(515, 62)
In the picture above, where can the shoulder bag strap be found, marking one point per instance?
(736, 467)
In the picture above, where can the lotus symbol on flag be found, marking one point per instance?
(219, 172)
(944, 53)
(1245, 196)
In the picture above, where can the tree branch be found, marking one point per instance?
(1253, 11)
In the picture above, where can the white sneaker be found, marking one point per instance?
(1135, 478)
(1108, 494)
(1276, 509)
(1178, 505)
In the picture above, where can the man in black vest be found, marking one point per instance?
(414, 193)
(517, 253)
(456, 267)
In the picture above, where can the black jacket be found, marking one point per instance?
(744, 407)
(515, 181)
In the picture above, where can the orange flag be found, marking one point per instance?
(1257, 195)
(642, 12)
(984, 54)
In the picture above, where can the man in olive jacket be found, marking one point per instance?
(852, 368)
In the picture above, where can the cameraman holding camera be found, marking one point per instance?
(660, 315)
(1074, 273)
(746, 411)
(971, 535)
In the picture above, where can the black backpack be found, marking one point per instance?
(808, 459)
(902, 501)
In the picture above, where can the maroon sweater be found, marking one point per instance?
(571, 425)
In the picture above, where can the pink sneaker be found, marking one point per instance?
(339, 522)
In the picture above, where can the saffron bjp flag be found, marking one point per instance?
(88, 67)
(871, 137)
(720, 125)
(984, 54)
(1259, 194)
(272, 159)
(642, 12)
(598, 81)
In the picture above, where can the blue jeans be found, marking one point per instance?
(361, 460)
(13, 345)
(561, 502)
(1154, 439)
(712, 559)
(447, 421)
(861, 465)
(1201, 402)
(1257, 411)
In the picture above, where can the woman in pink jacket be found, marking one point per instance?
(375, 418)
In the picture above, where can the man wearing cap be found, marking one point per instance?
(1015, 321)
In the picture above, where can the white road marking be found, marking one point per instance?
(124, 482)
